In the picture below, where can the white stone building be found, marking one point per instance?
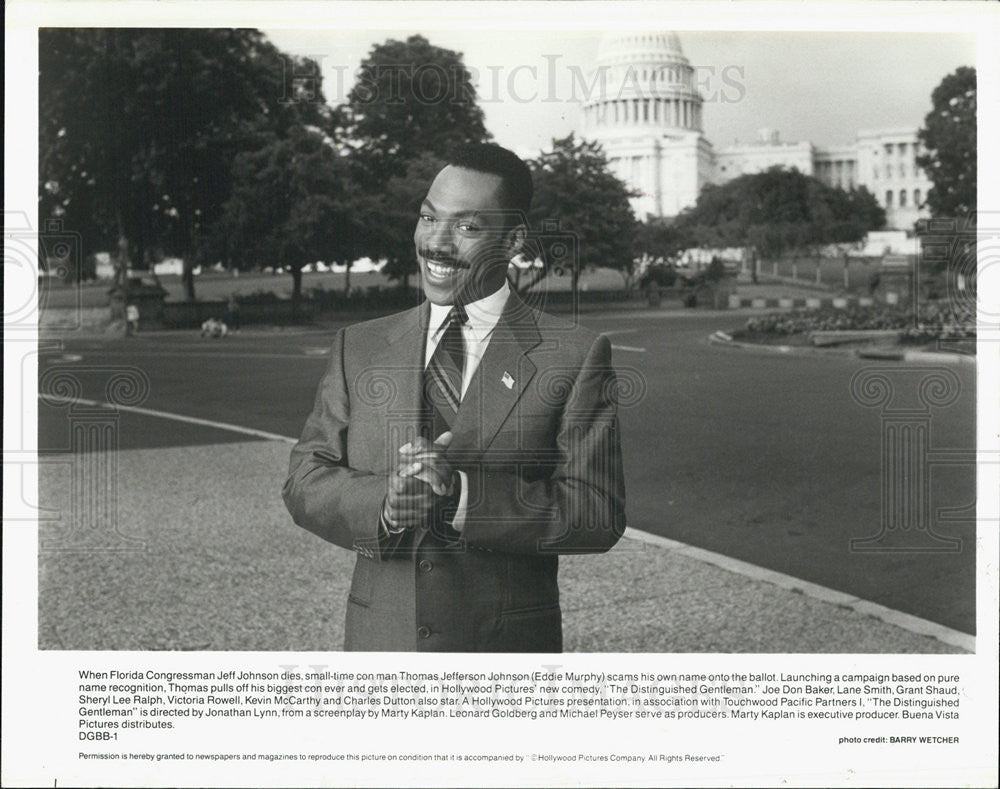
(647, 114)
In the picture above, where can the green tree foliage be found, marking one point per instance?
(411, 99)
(139, 128)
(293, 203)
(949, 140)
(778, 211)
(658, 238)
(657, 241)
(575, 188)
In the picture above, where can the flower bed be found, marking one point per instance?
(934, 321)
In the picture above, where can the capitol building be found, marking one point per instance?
(647, 115)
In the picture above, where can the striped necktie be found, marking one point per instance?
(443, 376)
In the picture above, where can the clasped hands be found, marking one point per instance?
(421, 478)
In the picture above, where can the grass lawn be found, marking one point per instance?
(212, 286)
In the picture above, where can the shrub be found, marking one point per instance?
(258, 297)
(933, 321)
(659, 274)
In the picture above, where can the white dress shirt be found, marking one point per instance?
(483, 317)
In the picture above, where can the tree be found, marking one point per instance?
(293, 203)
(949, 140)
(139, 129)
(411, 99)
(778, 211)
(575, 188)
(657, 240)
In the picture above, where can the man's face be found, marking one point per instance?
(463, 239)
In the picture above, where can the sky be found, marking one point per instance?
(809, 86)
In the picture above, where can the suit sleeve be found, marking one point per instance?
(323, 493)
(580, 507)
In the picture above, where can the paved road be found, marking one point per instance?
(755, 455)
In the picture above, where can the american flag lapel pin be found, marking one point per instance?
(508, 380)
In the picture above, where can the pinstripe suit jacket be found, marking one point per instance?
(536, 434)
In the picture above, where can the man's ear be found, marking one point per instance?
(514, 240)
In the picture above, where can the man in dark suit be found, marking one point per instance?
(461, 446)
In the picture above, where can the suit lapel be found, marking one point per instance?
(501, 378)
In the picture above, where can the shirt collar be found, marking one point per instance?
(483, 314)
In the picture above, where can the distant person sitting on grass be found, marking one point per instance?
(213, 327)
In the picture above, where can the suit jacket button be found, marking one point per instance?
(426, 566)
(424, 632)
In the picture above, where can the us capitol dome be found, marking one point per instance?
(645, 109)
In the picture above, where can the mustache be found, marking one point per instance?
(446, 260)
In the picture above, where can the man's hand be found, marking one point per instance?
(421, 476)
(408, 501)
(426, 461)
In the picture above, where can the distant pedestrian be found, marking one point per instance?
(131, 319)
(234, 312)
(873, 282)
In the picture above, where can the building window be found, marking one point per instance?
(645, 110)
(888, 171)
(916, 198)
(888, 199)
(902, 198)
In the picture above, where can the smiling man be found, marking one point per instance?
(459, 447)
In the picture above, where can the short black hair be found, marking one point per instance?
(517, 188)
